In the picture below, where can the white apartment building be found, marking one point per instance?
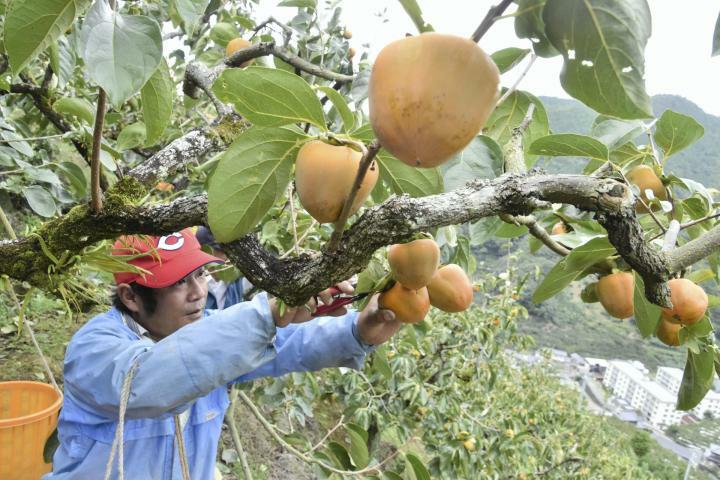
(653, 400)
(671, 378)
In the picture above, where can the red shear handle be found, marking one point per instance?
(337, 303)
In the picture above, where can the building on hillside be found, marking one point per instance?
(671, 378)
(632, 385)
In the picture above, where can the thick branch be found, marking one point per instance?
(489, 19)
(187, 148)
(694, 251)
(395, 221)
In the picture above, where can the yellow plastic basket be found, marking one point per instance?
(28, 415)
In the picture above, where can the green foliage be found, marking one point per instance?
(157, 101)
(602, 44)
(32, 26)
(121, 52)
(270, 97)
(252, 174)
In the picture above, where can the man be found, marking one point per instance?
(186, 357)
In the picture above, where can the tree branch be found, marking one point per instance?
(365, 162)
(489, 19)
(95, 192)
(199, 77)
(192, 145)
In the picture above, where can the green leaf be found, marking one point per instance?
(482, 158)
(121, 52)
(32, 26)
(529, 24)
(402, 178)
(250, 177)
(417, 467)
(647, 314)
(380, 364)
(62, 60)
(614, 132)
(76, 107)
(700, 276)
(510, 114)
(572, 267)
(507, 58)
(40, 200)
(602, 43)
(157, 102)
(675, 132)
(716, 38)
(19, 145)
(298, 3)
(223, 32)
(590, 253)
(76, 177)
(358, 449)
(463, 255)
(569, 145)
(483, 230)
(51, 444)
(269, 97)
(341, 105)
(190, 11)
(341, 455)
(413, 10)
(697, 379)
(131, 136)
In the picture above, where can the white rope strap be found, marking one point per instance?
(181, 448)
(118, 441)
(42, 357)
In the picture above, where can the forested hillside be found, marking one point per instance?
(564, 321)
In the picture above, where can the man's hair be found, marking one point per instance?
(146, 294)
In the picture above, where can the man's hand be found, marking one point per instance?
(304, 312)
(376, 325)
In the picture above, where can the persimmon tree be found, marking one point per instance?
(129, 118)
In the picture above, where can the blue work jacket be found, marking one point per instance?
(189, 369)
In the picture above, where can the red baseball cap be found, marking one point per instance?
(167, 259)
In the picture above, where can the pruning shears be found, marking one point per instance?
(340, 299)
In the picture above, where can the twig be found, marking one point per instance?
(695, 222)
(230, 422)
(37, 139)
(515, 163)
(95, 192)
(489, 19)
(302, 238)
(269, 428)
(510, 90)
(287, 31)
(296, 246)
(327, 435)
(339, 225)
(7, 225)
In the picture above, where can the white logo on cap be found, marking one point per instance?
(164, 245)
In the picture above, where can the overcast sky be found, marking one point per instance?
(677, 56)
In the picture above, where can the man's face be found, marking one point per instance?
(177, 305)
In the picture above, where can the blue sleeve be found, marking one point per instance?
(320, 343)
(186, 365)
